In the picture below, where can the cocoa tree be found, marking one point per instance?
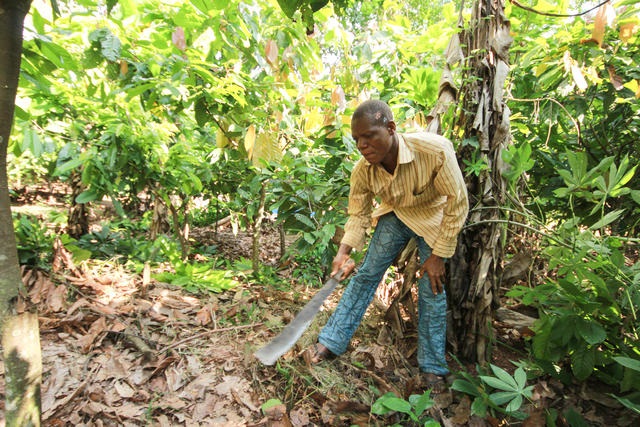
(20, 336)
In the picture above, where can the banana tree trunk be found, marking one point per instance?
(484, 117)
(20, 335)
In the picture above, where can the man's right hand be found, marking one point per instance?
(344, 261)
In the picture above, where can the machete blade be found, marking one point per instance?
(294, 330)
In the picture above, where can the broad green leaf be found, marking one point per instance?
(628, 362)
(514, 405)
(305, 220)
(129, 7)
(31, 142)
(379, 407)
(521, 378)
(309, 238)
(421, 402)
(87, 196)
(504, 376)
(583, 362)
(58, 55)
(607, 219)
(591, 331)
(635, 407)
(270, 404)
(578, 164)
(497, 383)
(465, 387)
(479, 407)
(502, 397)
(397, 404)
(78, 253)
(575, 419)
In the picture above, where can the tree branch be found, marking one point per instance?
(556, 15)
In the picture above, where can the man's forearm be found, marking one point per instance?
(344, 249)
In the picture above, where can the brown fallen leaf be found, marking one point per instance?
(277, 416)
(299, 417)
(536, 418)
(86, 341)
(462, 411)
(57, 297)
(203, 316)
(124, 389)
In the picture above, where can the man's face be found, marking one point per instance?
(373, 141)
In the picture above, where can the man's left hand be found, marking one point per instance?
(434, 267)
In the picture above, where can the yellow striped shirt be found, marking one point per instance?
(426, 191)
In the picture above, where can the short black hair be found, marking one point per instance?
(377, 112)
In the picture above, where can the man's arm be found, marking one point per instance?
(360, 208)
(450, 183)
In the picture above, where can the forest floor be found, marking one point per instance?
(119, 353)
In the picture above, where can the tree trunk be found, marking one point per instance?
(484, 117)
(257, 230)
(78, 222)
(20, 334)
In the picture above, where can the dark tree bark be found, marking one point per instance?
(78, 222)
(20, 336)
(476, 267)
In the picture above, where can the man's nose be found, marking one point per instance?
(361, 143)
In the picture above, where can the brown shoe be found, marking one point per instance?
(316, 354)
(436, 383)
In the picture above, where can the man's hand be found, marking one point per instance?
(434, 267)
(343, 260)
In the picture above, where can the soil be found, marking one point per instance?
(120, 351)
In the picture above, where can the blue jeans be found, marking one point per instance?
(389, 238)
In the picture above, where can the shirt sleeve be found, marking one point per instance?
(450, 183)
(360, 208)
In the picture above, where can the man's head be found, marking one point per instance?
(377, 112)
(373, 129)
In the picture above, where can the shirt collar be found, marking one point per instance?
(404, 154)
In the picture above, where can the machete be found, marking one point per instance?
(294, 330)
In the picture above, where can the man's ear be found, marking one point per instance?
(391, 127)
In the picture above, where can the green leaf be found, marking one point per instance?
(496, 383)
(421, 402)
(270, 404)
(78, 253)
(465, 387)
(87, 196)
(607, 219)
(628, 362)
(380, 407)
(583, 362)
(521, 378)
(635, 407)
(502, 397)
(289, 7)
(514, 405)
(591, 331)
(575, 419)
(504, 376)
(305, 220)
(479, 407)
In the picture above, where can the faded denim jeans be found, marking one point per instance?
(389, 238)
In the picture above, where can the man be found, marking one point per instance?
(422, 194)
